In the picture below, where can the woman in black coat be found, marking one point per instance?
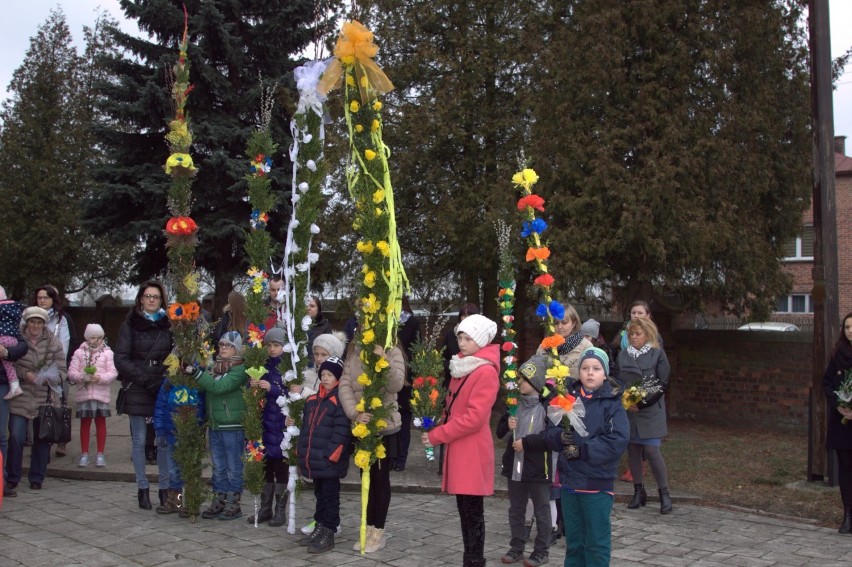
(839, 435)
(144, 342)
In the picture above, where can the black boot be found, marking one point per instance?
(846, 526)
(164, 495)
(665, 501)
(640, 497)
(215, 507)
(144, 499)
(279, 518)
(264, 512)
(323, 542)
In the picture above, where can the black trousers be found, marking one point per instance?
(472, 515)
(327, 492)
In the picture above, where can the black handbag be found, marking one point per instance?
(53, 424)
(121, 399)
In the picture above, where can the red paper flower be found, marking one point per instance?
(544, 280)
(533, 201)
(181, 226)
(564, 402)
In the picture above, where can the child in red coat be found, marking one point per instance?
(466, 430)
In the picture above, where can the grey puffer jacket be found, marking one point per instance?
(653, 366)
(141, 348)
(42, 352)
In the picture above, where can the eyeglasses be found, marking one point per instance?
(221, 345)
(151, 296)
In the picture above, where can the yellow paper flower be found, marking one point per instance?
(377, 105)
(370, 279)
(380, 452)
(383, 247)
(375, 403)
(354, 106)
(359, 128)
(350, 80)
(365, 247)
(364, 82)
(172, 364)
(180, 165)
(379, 196)
(368, 336)
(381, 364)
(365, 381)
(381, 424)
(368, 153)
(379, 212)
(375, 125)
(360, 406)
(558, 371)
(362, 459)
(416, 395)
(360, 431)
(370, 304)
(525, 178)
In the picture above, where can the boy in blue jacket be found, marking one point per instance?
(530, 473)
(325, 443)
(588, 464)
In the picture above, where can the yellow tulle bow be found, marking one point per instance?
(355, 47)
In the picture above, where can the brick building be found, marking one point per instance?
(799, 256)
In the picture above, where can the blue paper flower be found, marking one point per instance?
(537, 226)
(183, 396)
(541, 310)
(428, 423)
(557, 310)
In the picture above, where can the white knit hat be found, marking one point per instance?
(478, 327)
(93, 330)
(332, 344)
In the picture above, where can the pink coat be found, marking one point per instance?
(106, 371)
(466, 431)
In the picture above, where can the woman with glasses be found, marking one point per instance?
(144, 342)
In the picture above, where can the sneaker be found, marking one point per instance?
(100, 461)
(535, 559)
(512, 556)
(309, 529)
(84, 460)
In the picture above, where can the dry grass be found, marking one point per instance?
(749, 468)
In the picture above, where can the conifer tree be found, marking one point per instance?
(232, 45)
(46, 149)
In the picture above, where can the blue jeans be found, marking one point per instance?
(39, 456)
(4, 422)
(167, 466)
(588, 532)
(138, 430)
(226, 454)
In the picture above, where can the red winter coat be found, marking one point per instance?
(466, 429)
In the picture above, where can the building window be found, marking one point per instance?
(795, 303)
(800, 248)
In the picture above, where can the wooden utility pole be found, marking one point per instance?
(826, 306)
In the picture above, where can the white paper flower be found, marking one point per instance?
(306, 322)
(289, 375)
(417, 422)
(288, 348)
(295, 396)
(307, 139)
(312, 165)
(303, 267)
(315, 229)
(294, 223)
(313, 257)
(295, 198)
(282, 401)
(303, 187)
(293, 431)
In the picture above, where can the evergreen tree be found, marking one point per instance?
(232, 46)
(673, 144)
(45, 151)
(455, 126)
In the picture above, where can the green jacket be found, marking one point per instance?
(224, 399)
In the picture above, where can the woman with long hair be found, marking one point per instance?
(839, 435)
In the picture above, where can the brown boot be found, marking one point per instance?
(170, 506)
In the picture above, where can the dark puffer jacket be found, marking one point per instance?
(164, 422)
(272, 418)
(141, 348)
(325, 441)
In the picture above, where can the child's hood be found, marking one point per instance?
(605, 391)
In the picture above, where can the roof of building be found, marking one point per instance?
(842, 164)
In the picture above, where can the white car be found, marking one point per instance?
(769, 326)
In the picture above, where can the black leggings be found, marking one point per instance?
(472, 515)
(380, 493)
(276, 470)
(844, 476)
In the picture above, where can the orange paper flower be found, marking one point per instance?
(564, 402)
(552, 341)
(542, 253)
(181, 226)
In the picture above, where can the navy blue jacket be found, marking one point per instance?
(325, 441)
(272, 418)
(600, 451)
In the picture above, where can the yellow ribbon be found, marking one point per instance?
(355, 47)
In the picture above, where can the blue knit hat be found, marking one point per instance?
(595, 352)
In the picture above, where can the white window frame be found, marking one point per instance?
(809, 304)
(799, 257)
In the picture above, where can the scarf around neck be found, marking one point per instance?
(223, 365)
(636, 353)
(531, 420)
(571, 342)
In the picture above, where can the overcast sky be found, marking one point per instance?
(18, 24)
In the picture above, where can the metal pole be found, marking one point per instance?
(825, 293)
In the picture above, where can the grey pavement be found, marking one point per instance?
(74, 521)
